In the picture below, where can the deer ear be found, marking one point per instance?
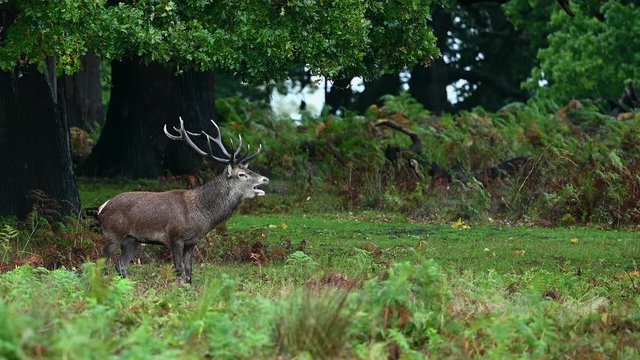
(228, 170)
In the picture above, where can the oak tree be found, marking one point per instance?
(257, 41)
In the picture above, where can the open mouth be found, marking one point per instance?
(259, 192)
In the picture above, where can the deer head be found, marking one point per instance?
(237, 172)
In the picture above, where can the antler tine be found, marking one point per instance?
(248, 158)
(224, 161)
(235, 154)
(188, 132)
(184, 136)
(170, 136)
(218, 140)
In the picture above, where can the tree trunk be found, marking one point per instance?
(83, 95)
(428, 85)
(340, 95)
(374, 90)
(143, 99)
(34, 142)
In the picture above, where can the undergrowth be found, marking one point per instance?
(407, 310)
(527, 162)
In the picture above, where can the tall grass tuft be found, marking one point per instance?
(315, 323)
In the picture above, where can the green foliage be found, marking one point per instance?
(405, 308)
(316, 149)
(64, 29)
(254, 39)
(577, 164)
(588, 57)
(534, 293)
(527, 161)
(473, 199)
(299, 266)
(98, 289)
(589, 178)
(532, 17)
(404, 104)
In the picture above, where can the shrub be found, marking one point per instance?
(527, 161)
(404, 310)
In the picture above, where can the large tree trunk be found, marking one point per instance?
(83, 94)
(34, 142)
(374, 90)
(143, 99)
(428, 85)
(340, 95)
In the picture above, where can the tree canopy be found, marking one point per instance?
(590, 56)
(256, 40)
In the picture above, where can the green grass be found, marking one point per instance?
(478, 248)
(330, 234)
(95, 191)
(390, 285)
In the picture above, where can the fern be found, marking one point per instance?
(7, 235)
(300, 266)
(299, 258)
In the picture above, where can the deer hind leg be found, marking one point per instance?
(177, 250)
(129, 248)
(110, 244)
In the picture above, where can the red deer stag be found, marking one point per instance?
(179, 218)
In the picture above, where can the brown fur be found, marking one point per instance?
(177, 218)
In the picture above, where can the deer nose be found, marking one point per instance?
(265, 180)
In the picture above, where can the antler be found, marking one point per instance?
(231, 159)
(183, 135)
(248, 158)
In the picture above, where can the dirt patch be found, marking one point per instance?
(334, 280)
(552, 294)
(396, 233)
(250, 247)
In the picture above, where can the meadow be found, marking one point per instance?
(512, 235)
(345, 284)
(452, 179)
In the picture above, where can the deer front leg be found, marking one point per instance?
(129, 248)
(177, 249)
(187, 258)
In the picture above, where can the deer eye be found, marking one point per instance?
(242, 175)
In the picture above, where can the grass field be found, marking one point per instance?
(456, 247)
(343, 285)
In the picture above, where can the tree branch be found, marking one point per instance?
(471, 2)
(416, 147)
(564, 3)
(482, 76)
(567, 7)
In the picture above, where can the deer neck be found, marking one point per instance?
(217, 200)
